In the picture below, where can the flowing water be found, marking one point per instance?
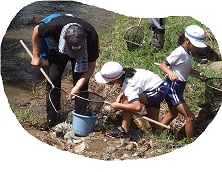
(17, 73)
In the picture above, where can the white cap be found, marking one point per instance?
(109, 72)
(196, 36)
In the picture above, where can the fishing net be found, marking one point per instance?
(85, 102)
(134, 37)
(213, 93)
(213, 89)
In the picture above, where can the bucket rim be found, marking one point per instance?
(94, 115)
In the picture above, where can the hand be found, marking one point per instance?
(70, 97)
(202, 77)
(115, 105)
(119, 98)
(36, 62)
(173, 77)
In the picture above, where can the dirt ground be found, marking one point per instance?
(142, 144)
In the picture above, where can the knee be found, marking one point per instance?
(190, 119)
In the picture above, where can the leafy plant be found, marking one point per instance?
(26, 115)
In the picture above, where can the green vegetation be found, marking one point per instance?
(26, 115)
(113, 47)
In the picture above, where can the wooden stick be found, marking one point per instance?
(151, 120)
(41, 69)
(157, 63)
(140, 21)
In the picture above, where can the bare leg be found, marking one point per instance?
(184, 110)
(190, 119)
(127, 116)
(168, 118)
(153, 113)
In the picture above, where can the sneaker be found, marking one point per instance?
(47, 125)
(58, 118)
(118, 133)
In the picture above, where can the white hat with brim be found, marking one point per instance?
(109, 72)
(196, 36)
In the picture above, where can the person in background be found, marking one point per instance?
(157, 26)
(177, 66)
(139, 86)
(72, 39)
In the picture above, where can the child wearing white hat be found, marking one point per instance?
(177, 66)
(138, 86)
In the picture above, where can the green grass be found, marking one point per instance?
(114, 48)
(26, 115)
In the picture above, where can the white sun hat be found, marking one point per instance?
(196, 36)
(110, 71)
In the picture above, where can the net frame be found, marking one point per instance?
(84, 103)
(134, 36)
(63, 95)
(213, 93)
(213, 89)
(210, 82)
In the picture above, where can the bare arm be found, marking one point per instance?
(36, 41)
(118, 99)
(197, 74)
(122, 103)
(133, 107)
(173, 77)
(84, 78)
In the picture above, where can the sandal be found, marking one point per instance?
(118, 133)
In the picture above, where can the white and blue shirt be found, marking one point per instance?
(180, 62)
(143, 80)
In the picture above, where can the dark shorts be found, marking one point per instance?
(174, 92)
(156, 96)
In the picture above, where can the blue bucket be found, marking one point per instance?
(83, 125)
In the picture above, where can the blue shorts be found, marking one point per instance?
(156, 96)
(174, 92)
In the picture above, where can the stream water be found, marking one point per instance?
(17, 73)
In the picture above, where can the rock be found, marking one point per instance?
(141, 123)
(80, 147)
(216, 66)
(131, 146)
(69, 135)
(110, 150)
(126, 156)
(107, 108)
(141, 141)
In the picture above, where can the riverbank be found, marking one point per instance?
(143, 143)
